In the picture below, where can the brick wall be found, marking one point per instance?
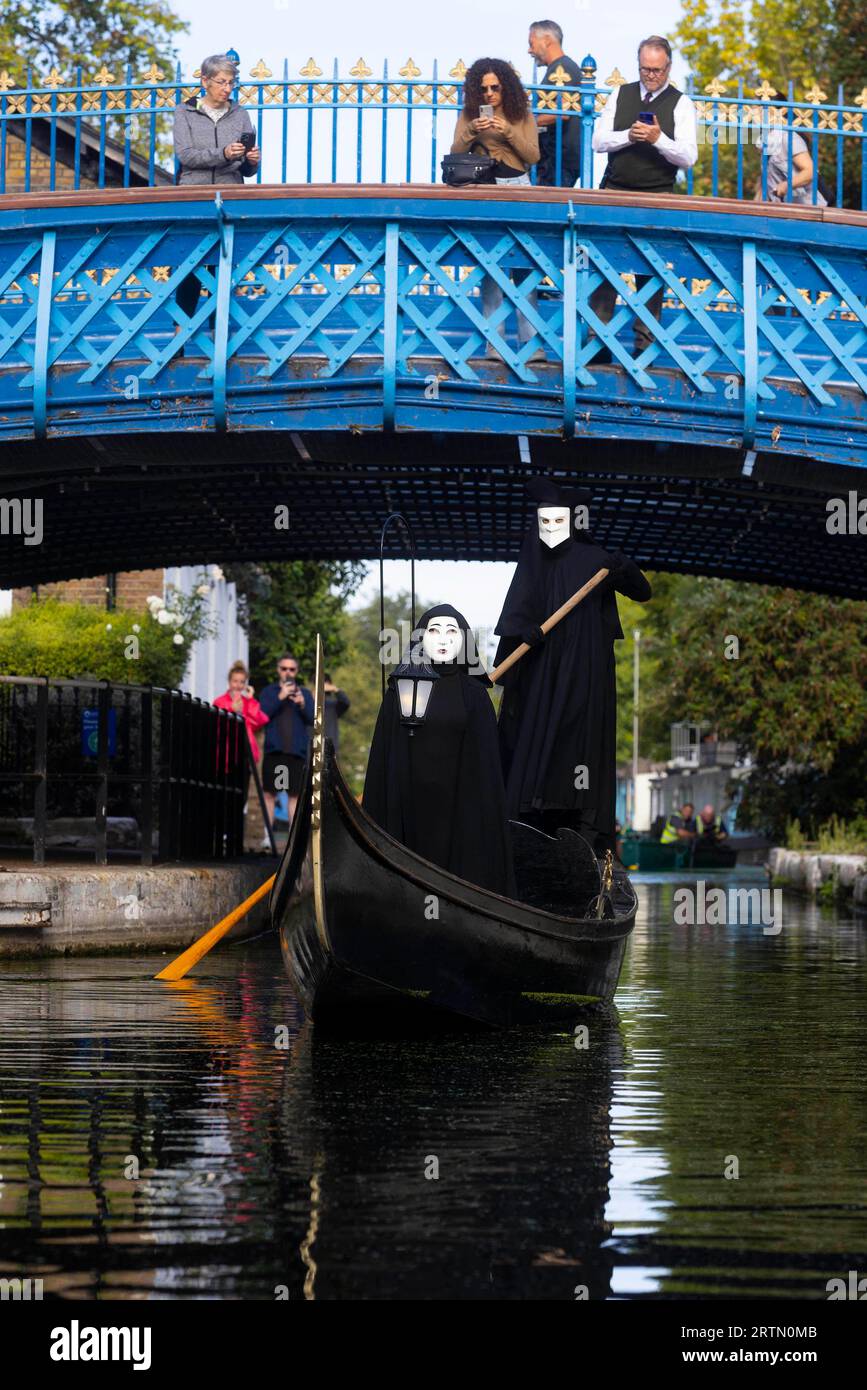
(40, 169)
(133, 588)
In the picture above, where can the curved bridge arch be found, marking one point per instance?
(334, 313)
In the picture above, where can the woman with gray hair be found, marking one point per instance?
(214, 143)
(214, 139)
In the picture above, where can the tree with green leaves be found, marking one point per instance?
(792, 691)
(283, 605)
(652, 620)
(779, 41)
(42, 34)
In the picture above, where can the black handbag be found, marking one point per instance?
(462, 169)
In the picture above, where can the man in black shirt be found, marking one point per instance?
(546, 46)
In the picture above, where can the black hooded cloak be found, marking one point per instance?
(440, 791)
(558, 712)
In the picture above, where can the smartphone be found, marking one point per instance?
(248, 139)
(486, 111)
(646, 117)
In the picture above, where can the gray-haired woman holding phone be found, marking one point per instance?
(214, 143)
(214, 137)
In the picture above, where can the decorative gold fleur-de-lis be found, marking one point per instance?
(409, 69)
(154, 74)
(261, 70)
(860, 100)
(766, 91)
(615, 79)
(360, 70)
(310, 69)
(815, 95)
(104, 78)
(459, 70)
(559, 76)
(715, 88)
(54, 79)
(6, 81)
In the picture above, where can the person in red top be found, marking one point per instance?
(239, 699)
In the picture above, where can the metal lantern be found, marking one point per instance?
(413, 681)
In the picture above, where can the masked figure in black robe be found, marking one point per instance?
(558, 717)
(438, 788)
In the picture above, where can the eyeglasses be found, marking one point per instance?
(654, 72)
(288, 670)
(494, 87)
(221, 81)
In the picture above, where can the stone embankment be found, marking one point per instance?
(808, 871)
(68, 909)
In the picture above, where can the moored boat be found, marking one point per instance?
(649, 855)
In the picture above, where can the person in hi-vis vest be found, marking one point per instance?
(680, 827)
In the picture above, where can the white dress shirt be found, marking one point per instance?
(682, 151)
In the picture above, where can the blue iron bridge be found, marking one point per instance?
(341, 360)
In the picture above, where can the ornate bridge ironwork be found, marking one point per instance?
(363, 310)
(318, 124)
(336, 318)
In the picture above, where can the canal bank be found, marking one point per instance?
(79, 909)
(841, 876)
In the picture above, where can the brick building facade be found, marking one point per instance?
(16, 163)
(127, 590)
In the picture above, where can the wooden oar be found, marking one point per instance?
(179, 967)
(554, 619)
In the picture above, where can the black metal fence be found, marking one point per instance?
(130, 770)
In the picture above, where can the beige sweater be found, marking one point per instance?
(517, 146)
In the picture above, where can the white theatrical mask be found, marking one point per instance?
(442, 640)
(554, 525)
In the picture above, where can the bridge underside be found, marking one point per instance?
(114, 503)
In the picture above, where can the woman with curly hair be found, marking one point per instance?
(510, 136)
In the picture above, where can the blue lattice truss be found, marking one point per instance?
(323, 310)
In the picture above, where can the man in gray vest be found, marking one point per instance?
(648, 131)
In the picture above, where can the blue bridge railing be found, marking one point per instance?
(365, 309)
(113, 129)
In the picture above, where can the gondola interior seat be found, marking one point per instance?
(559, 875)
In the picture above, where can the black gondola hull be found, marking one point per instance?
(367, 924)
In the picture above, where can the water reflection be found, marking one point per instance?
(161, 1141)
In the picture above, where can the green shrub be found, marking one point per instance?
(795, 837)
(72, 640)
(838, 836)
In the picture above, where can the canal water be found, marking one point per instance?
(200, 1140)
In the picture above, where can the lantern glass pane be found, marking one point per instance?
(404, 695)
(422, 697)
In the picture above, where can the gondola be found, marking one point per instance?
(368, 928)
